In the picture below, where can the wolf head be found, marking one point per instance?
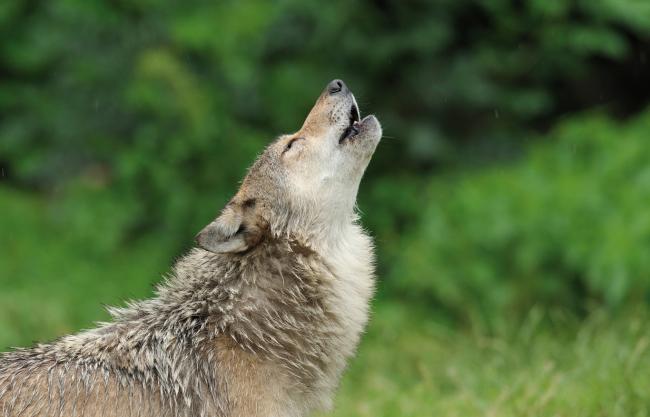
(304, 185)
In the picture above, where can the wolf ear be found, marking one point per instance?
(226, 234)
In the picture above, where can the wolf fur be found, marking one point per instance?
(259, 320)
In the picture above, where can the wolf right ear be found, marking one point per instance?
(226, 234)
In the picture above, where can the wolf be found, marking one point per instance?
(258, 320)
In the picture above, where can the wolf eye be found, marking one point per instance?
(291, 143)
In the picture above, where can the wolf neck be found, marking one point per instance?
(318, 229)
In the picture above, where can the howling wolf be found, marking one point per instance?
(257, 321)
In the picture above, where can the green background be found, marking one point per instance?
(508, 199)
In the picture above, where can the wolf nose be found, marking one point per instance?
(336, 86)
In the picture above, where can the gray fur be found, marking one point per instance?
(259, 327)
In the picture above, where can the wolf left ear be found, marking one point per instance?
(232, 232)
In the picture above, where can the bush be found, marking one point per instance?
(160, 105)
(565, 226)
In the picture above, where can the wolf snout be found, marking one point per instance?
(336, 86)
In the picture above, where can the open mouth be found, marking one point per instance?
(353, 127)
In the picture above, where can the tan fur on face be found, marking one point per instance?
(258, 322)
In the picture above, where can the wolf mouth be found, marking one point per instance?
(353, 126)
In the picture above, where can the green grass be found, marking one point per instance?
(548, 366)
(409, 363)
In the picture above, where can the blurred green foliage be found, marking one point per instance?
(127, 125)
(564, 227)
(508, 197)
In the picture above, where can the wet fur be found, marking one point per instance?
(262, 328)
(218, 331)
